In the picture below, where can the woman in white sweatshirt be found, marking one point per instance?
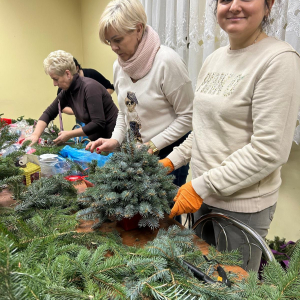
(244, 117)
(154, 91)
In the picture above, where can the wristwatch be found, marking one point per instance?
(153, 147)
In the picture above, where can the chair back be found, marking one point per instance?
(251, 236)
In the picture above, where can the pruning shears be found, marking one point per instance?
(222, 278)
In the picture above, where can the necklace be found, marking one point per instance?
(257, 37)
(254, 40)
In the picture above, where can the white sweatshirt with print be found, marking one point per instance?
(245, 110)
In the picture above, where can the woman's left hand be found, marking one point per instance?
(63, 136)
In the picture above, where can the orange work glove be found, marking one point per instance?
(167, 164)
(186, 201)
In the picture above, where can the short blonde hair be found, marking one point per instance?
(58, 62)
(122, 16)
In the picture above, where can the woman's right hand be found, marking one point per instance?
(39, 128)
(33, 138)
(186, 201)
(105, 145)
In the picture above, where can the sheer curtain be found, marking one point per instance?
(189, 27)
(179, 29)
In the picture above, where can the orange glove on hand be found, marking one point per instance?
(186, 201)
(167, 164)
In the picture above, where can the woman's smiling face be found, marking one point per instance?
(241, 17)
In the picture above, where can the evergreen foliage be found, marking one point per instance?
(52, 148)
(50, 133)
(48, 269)
(8, 168)
(159, 271)
(21, 118)
(131, 182)
(12, 283)
(15, 185)
(277, 283)
(48, 192)
(42, 224)
(97, 266)
(6, 137)
(10, 174)
(43, 257)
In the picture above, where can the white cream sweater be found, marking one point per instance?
(245, 110)
(165, 98)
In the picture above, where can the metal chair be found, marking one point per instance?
(245, 229)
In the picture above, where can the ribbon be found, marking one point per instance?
(289, 243)
(60, 117)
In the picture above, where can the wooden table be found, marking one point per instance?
(136, 237)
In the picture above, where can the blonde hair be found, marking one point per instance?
(122, 16)
(58, 62)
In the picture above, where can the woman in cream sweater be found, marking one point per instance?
(154, 90)
(244, 116)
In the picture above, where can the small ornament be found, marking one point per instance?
(21, 162)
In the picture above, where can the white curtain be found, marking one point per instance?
(189, 27)
(177, 23)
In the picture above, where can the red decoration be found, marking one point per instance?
(7, 121)
(73, 178)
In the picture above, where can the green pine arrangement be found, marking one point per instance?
(6, 137)
(10, 174)
(70, 265)
(50, 133)
(43, 257)
(132, 182)
(48, 192)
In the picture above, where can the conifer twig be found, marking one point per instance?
(44, 237)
